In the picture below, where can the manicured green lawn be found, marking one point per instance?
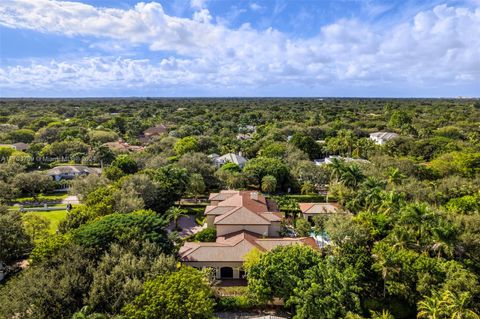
(43, 197)
(55, 217)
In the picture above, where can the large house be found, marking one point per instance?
(230, 211)
(59, 173)
(230, 157)
(155, 130)
(244, 220)
(152, 132)
(381, 138)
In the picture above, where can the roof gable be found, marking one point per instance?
(319, 208)
(241, 216)
(234, 247)
(218, 210)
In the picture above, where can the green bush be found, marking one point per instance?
(308, 198)
(123, 228)
(235, 303)
(206, 235)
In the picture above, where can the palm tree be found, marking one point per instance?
(457, 305)
(399, 238)
(391, 202)
(432, 307)
(443, 238)
(387, 270)
(352, 175)
(385, 314)
(337, 167)
(174, 214)
(269, 184)
(418, 219)
(372, 189)
(395, 176)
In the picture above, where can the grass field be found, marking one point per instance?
(55, 217)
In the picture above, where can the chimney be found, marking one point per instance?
(240, 153)
(254, 195)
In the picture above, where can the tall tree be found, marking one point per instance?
(14, 241)
(182, 294)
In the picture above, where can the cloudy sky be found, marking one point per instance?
(239, 48)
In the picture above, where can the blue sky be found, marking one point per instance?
(239, 48)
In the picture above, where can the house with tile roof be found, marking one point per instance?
(121, 146)
(309, 210)
(230, 211)
(152, 132)
(244, 220)
(155, 130)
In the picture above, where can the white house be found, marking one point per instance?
(71, 171)
(381, 138)
(329, 160)
(230, 157)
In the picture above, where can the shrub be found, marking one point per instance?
(122, 228)
(206, 235)
(235, 303)
(182, 294)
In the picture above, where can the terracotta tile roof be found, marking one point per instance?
(241, 216)
(272, 216)
(234, 238)
(223, 195)
(242, 208)
(234, 246)
(319, 208)
(231, 249)
(158, 129)
(218, 210)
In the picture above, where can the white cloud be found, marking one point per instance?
(198, 4)
(441, 45)
(256, 7)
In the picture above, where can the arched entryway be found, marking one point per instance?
(226, 272)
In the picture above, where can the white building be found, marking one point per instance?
(381, 138)
(329, 160)
(71, 171)
(230, 157)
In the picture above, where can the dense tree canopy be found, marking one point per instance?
(406, 241)
(181, 294)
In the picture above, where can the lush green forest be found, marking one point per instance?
(409, 246)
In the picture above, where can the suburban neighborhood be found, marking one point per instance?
(231, 208)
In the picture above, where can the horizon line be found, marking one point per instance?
(238, 97)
